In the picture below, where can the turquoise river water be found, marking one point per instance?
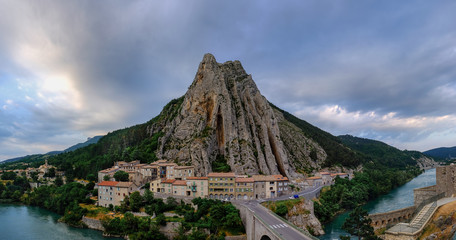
(398, 198)
(33, 223)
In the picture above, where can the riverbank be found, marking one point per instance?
(28, 222)
(397, 198)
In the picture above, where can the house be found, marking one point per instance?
(315, 181)
(166, 186)
(112, 192)
(198, 186)
(270, 186)
(180, 188)
(244, 188)
(325, 177)
(183, 172)
(155, 185)
(107, 172)
(221, 185)
(282, 185)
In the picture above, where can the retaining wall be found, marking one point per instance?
(380, 220)
(422, 194)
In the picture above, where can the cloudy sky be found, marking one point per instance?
(384, 70)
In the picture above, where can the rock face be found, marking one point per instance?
(302, 215)
(224, 116)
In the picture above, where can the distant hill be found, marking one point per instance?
(86, 143)
(35, 157)
(385, 154)
(444, 153)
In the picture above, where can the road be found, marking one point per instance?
(277, 225)
(310, 193)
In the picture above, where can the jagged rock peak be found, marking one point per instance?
(224, 116)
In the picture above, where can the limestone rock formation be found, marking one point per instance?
(302, 215)
(224, 116)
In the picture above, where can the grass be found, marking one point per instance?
(444, 232)
(97, 212)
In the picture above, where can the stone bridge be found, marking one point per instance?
(256, 218)
(387, 219)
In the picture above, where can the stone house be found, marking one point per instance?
(180, 188)
(198, 186)
(112, 192)
(325, 177)
(315, 181)
(183, 172)
(244, 188)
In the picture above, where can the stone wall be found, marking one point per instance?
(422, 194)
(241, 237)
(380, 220)
(93, 223)
(446, 180)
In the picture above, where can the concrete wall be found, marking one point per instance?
(422, 194)
(380, 220)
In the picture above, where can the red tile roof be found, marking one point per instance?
(168, 180)
(244, 180)
(180, 183)
(108, 183)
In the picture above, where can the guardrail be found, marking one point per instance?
(292, 225)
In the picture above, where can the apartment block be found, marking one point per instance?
(221, 185)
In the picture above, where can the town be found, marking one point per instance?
(164, 178)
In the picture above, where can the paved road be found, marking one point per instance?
(309, 193)
(276, 224)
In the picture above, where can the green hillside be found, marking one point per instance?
(381, 153)
(444, 153)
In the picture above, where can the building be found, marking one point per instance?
(166, 186)
(112, 192)
(270, 186)
(180, 188)
(244, 188)
(282, 185)
(107, 172)
(183, 172)
(314, 181)
(221, 185)
(325, 177)
(155, 185)
(198, 186)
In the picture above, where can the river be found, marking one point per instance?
(26, 222)
(398, 198)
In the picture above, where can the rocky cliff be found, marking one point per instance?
(224, 116)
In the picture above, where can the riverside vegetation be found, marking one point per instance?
(212, 219)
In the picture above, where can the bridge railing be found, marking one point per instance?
(267, 226)
(424, 203)
(293, 226)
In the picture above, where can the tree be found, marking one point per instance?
(58, 181)
(358, 224)
(106, 178)
(136, 201)
(121, 176)
(9, 176)
(281, 210)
